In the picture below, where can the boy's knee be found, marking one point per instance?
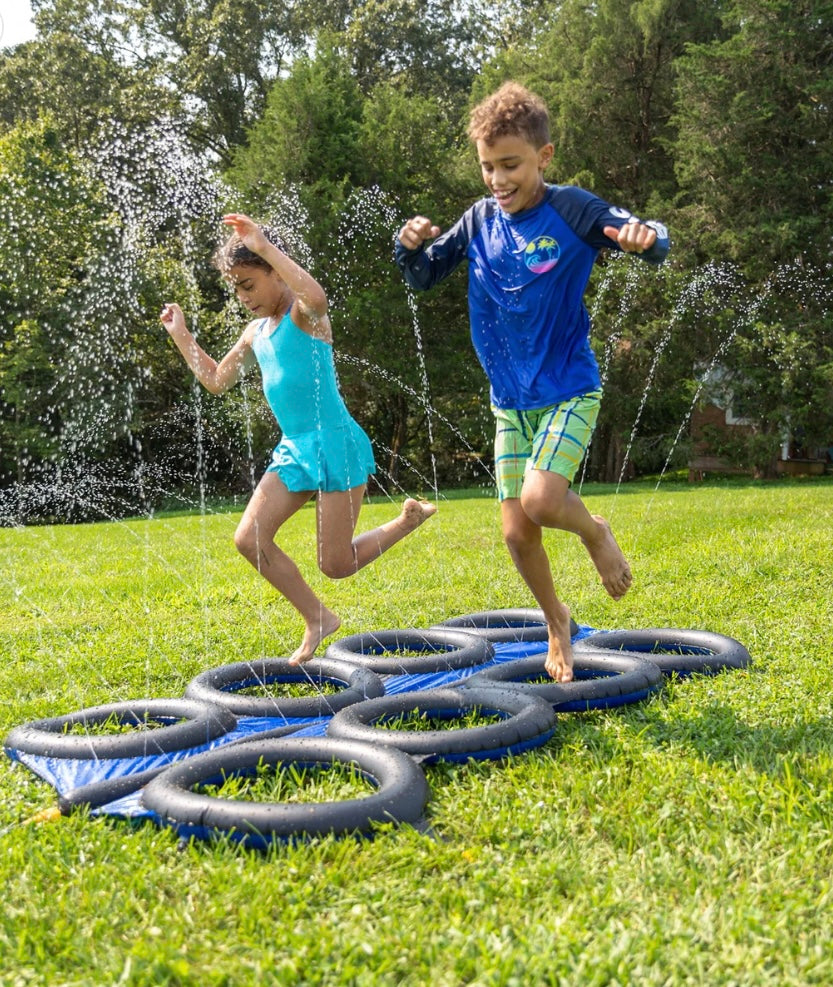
(543, 510)
(519, 541)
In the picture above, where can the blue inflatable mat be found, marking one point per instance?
(68, 774)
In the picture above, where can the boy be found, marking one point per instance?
(531, 248)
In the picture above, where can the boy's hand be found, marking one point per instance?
(172, 318)
(633, 238)
(249, 232)
(416, 231)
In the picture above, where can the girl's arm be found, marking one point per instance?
(308, 292)
(215, 377)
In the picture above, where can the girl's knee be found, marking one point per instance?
(337, 565)
(246, 541)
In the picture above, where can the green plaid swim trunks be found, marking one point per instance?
(554, 438)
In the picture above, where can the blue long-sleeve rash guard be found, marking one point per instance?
(527, 276)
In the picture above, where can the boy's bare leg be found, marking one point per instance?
(524, 540)
(608, 559)
(548, 500)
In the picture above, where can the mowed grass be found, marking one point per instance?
(687, 839)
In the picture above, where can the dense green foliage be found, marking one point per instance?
(336, 123)
(684, 840)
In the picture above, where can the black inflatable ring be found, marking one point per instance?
(401, 795)
(98, 793)
(529, 722)
(602, 679)
(672, 649)
(444, 649)
(220, 685)
(190, 724)
(518, 624)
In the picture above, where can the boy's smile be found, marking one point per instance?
(513, 170)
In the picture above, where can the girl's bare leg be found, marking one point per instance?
(340, 554)
(271, 505)
(524, 541)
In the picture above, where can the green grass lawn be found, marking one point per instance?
(687, 839)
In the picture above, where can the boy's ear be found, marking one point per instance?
(545, 154)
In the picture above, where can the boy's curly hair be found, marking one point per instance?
(511, 111)
(234, 252)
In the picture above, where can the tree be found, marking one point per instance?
(50, 215)
(307, 139)
(754, 151)
(606, 71)
(754, 157)
(77, 73)
(336, 168)
(223, 54)
(210, 62)
(89, 250)
(426, 45)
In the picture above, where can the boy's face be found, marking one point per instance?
(258, 288)
(513, 170)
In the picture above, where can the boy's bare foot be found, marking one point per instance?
(608, 559)
(327, 624)
(414, 512)
(559, 663)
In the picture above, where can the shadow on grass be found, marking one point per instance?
(715, 733)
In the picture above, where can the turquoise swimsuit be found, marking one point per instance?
(322, 446)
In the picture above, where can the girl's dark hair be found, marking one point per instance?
(234, 252)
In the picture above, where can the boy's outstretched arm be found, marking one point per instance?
(416, 231)
(649, 239)
(422, 267)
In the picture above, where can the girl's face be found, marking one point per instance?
(513, 170)
(259, 289)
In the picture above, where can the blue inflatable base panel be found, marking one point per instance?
(68, 774)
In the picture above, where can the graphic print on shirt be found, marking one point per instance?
(541, 254)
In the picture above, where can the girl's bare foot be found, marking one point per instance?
(328, 623)
(559, 663)
(608, 559)
(414, 512)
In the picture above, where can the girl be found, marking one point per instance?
(323, 452)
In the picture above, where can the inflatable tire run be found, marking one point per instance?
(441, 650)
(220, 685)
(529, 722)
(401, 795)
(186, 723)
(519, 624)
(602, 679)
(98, 793)
(671, 649)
